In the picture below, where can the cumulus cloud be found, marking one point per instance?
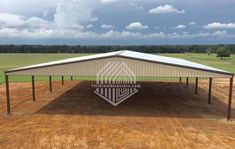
(135, 5)
(165, 9)
(192, 23)
(108, 1)
(106, 26)
(220, 33)
(20, 22)
(94, 19)
(89, 26)
(181, 11)
(179, 27)
(120, 35)
(32, 7)
(10, 20)
(136, 26)
(223, 34)
(111, 34)
(35, 22)
(38, 28)
(217, 25)
(72, 14)
(72, 19)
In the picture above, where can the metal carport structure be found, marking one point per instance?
(142, 64)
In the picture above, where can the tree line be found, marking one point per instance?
(101, 49)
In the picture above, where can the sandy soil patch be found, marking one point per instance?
(160, 115)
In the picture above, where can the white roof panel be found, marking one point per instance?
(167, 60)
(70, 60)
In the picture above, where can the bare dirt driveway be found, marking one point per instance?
(160, 115)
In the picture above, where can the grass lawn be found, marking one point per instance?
(9, 61)
(227, 64)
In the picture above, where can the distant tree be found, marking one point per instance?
(223, 52)
(231, 48)
(214, 48)
(100, 49)
(208, 51)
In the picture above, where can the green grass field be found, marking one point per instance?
(227, 64)
(9, 61)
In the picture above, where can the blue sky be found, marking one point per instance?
(117, 22)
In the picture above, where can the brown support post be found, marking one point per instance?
(7, 95)
(50, 83)
(71, 78)
(62, 78)
(196, 85)
(33, 88)
(230, 98)
(209, 94)
(187, 82)
(180, 80)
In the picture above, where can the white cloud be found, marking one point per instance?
(161, 35)
(24, 7)
(135, 5)
(69, 15)
(179, 27)
(165, 9)
(94, 19)
(72, 15)
(73, 18)
(78, 34)
(35, 22)
(89, 26)
(19, 22)
(106, 26)
(192, 23)
(222, 34)
(108, 1)
(156, 35)
(217, 25)
(10, 20)
(181, 11)
(121, 35)
(136, 26)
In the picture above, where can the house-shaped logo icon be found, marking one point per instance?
(115, 82)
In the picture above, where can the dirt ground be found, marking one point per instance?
(160, 115)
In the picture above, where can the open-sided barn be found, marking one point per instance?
(141, 64)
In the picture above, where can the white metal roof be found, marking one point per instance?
(132, 55)
(167, 60)
(70, 60)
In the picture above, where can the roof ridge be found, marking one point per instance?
(120, 52)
